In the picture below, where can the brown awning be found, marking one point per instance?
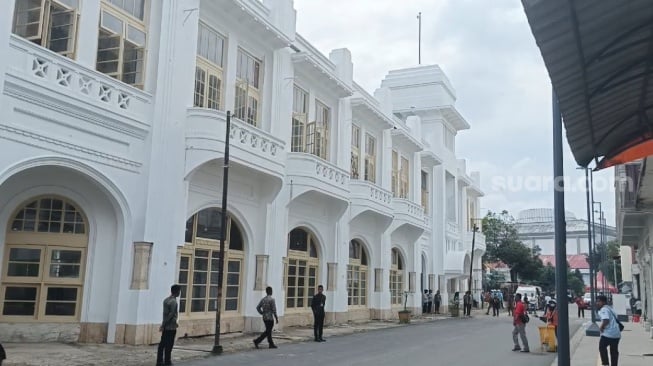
(599, 56)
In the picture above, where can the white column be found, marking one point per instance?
(88, 32)
(6, 21)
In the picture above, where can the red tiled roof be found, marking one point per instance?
(496, 265)
(576, 261)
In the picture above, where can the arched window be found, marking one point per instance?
(357, 275)
(198, 264)
(44, 260)
(301, 270)
(396, 278)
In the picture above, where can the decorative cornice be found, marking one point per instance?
(41, 141)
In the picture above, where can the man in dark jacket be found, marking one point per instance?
(319, 300)
(168, 327)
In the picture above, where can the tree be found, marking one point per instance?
(493, 280)
(503, 244)
(608, 251)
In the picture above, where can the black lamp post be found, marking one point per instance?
(217, 348)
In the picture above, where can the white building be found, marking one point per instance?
(112, 140)
(536, 227)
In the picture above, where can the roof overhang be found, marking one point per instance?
(599, 55)
(430, 159)
(402, 138)
(256, 17)
(369, 111)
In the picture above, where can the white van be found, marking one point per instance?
(529, 291)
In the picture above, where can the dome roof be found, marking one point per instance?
(541, 215)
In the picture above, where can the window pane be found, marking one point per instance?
(112, 23)
(209, 222)
(62, 294)
(231, 304)
(132, 67)
(108, 54)
(214, 92)
(197, 305)
(136, 36)
(20, 301)
(200, 76)
(27, 18)
(232, 291)
(298, 240)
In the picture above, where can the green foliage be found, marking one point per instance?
(606, 251)
(503, 244)
(493, 280)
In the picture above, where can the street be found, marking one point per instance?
(483, 340)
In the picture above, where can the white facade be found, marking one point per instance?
(111, 171)
(536, 227)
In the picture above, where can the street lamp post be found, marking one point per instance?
(593, 328)
(217, 347)
(471, 264)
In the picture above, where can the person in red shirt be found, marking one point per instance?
(581, 306)
(519, 325)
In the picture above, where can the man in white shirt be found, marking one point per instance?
(610, 332)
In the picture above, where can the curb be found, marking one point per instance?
(573, 343)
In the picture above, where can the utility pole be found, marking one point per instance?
(217, 348)
(471, 265)
(564, 356)
(419, 38)
(593, 329)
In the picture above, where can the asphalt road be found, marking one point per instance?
(483, 340)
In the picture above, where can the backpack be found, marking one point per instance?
(524, 318)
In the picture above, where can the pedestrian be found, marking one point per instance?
(3, 355)
(168, 327)
(519, 320)
(552, 316)
(511, 303)
(429, 304)
(488, 299)
(425, 301)
(610, 332)
(467, 304)
(500, 299)
(495, 305)
(317, 305)
(437, 299)
(268, 310)
(580, 303)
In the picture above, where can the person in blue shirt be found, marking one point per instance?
(610, 333)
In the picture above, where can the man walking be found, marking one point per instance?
(610, 332)
(488, 299)
(168, 327)
(437, 299)
(511, 303)
(467, 304)
(581, 306)
(268, 310)
(319, 300)
(429, 304)
(496, 303)
(519, 324)
(425, 301)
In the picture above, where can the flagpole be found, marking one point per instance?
(419, 39)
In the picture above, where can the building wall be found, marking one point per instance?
(140, 162)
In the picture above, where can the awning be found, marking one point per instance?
(599, 56)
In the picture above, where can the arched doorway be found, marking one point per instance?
(396, 278)
(357, 272)
(198, 265)
(302, 269)
(44, 261)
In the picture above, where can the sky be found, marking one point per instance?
(488, 52)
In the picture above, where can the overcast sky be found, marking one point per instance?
(503, 90)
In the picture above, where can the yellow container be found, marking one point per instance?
(548, 338)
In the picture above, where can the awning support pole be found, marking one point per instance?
(560, 238)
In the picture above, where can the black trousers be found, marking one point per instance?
(318, 324)
(613, 343)
(467, 309)
(436, 307)
(581, 312)
(429, 307)
(3, 355)
(165, 345)
(495, 310)
(269, 324)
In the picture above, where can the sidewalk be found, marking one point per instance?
(59, 354)
(635, 342)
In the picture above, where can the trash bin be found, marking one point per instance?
(548, 338)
